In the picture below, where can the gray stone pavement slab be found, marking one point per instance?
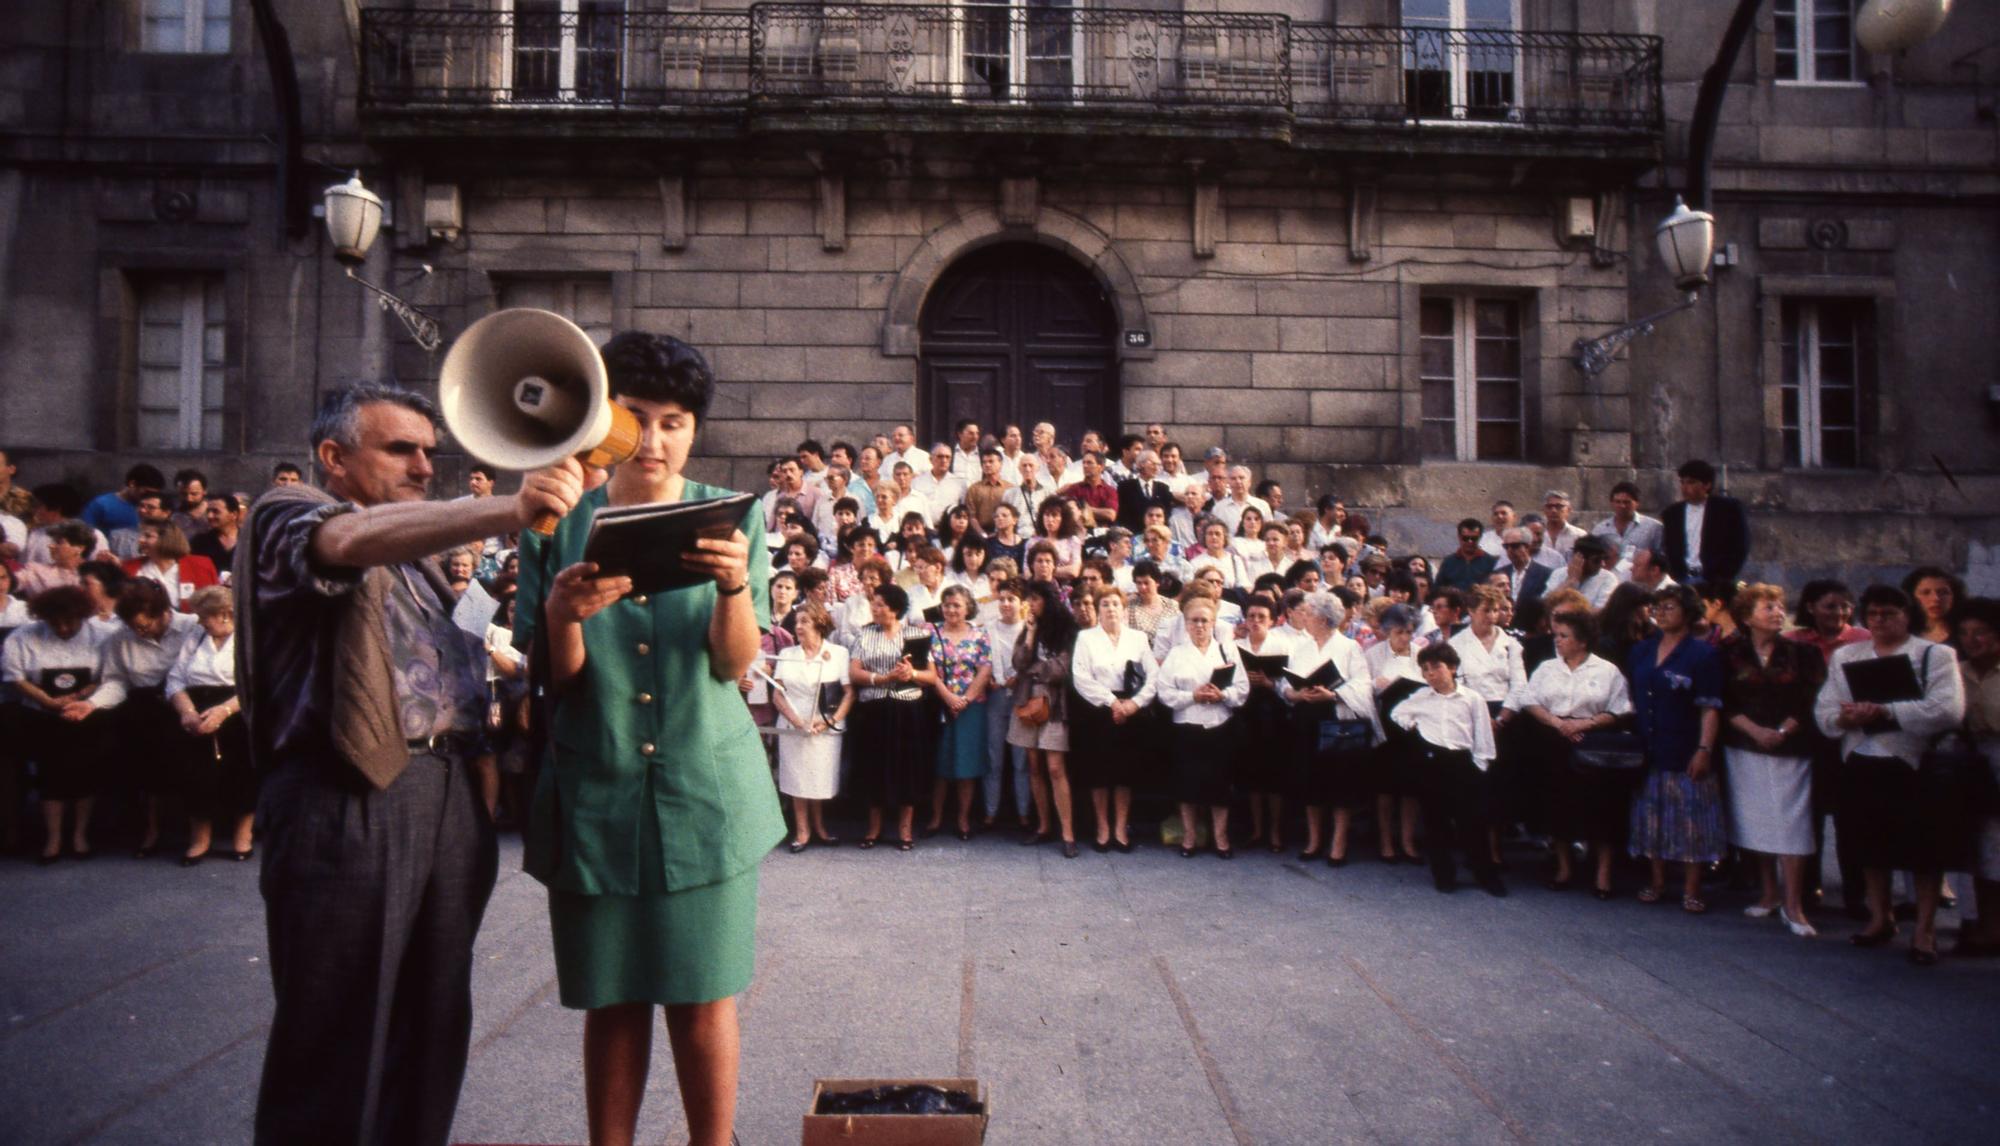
(1118, 999)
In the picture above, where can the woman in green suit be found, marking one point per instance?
(655, 804)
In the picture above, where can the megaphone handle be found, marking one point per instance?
(545, 524)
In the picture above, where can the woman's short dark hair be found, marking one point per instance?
(973, 539)
(809, 578)
(1268, 583)
(659, 368)
(105, 573)
(1262, 601)
(892, 595)
(64, 604)
(1985, 610)
(1438, 654)
(1146, 568)
(852, 534)
(1298, 571)
(1883, 596)
(1580, 624)
(1811, 595)
(60, 498)
(142, 597)
(1695, 469)
(73, 533)
(1686, 598)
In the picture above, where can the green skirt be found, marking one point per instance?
(691, 946)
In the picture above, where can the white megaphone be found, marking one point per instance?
(526, 388)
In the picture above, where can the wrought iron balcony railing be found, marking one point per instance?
(1044, 60)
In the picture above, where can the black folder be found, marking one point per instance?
(1271, 667)
(1222, 677)
(1130, 684)
(918, 649)
(1325, 676)
(1883, 680)
(60, 682)
(647, 542)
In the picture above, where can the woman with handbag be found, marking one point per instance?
(812, 699)
(1677, 694)
(1576, 697)
(1204, 683)
(1113, 673)
(1327, 684)
(1886, 811)
(1041, 717)
(1769, 685)
(962, 662)
(893, 737)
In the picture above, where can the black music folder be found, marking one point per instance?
(647, 542)
(1130, 682)
(1271, 667)
(1883, 680)
(1325, 676)
(1223, 677)
(918, 649)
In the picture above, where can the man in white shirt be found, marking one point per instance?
(965, 455)
(1649, 573)
(1561, 535)
(1586, 565)
(1027, 495)
(1539, 550)
(1630, 529)
(903, 447)
(1127, 463)
(1330, 514)
(1526, 580)
(908, 500)
(1230, 509)
(1501, 521)
(939, 486)
(1010, 455)
(1173, 468)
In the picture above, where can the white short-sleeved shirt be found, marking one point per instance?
(1455, 723)
(1590, 689)
(204, 664)
(35, 654)
(1495, 674)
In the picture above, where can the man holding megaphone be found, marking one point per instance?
(366, 703)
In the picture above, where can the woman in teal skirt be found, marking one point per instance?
(655, 804)
(962, 660)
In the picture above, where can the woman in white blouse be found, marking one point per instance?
(221, 781)
(1202, 735)
(812, 699)
(1395, 677)
(1334, 722)
(1573, 693)
(1491, 664)
(1264, 741)
(1883, 811)
(1113, 672)
(53, 665)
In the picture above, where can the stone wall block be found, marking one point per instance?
(1255, 259)
(857, 364)
(874, 253)
(1415, 229)
(825, 327)
(1363, 335)
(1350, 408)
(485, 215)
(1475, 231)
(1250, 224)
(781, 217)
(724, 253)
(863, 402)
(1339, 444)
(1147, 221)
(1229, 406)
(1254, 446)
(1207, 296)
(1300, 335)
(1318, 371)
(1217, 332)
(750, 438)
(715, 215)
(730, 327)
(794, 290)
(597, 215)
(1147, 404)
(1312, 226)
(758, 363)
(1191, 368)
(695, 288)
(1367, 300)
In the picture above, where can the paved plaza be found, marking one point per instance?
(1109, 999)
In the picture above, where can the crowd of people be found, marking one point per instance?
(997, 632)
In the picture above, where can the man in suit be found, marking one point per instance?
(1707, 535)
(1527, 579)
(1142, 491)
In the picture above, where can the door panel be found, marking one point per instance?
(1019, 333)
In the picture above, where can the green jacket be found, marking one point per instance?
(646, 739)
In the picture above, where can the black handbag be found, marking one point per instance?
(1612, 749)
(1341, 736)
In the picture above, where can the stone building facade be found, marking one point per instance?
(1352, 241)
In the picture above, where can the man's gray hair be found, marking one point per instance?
(339, 415)
(1557, 495)
(1327, 607)
(1516, 535)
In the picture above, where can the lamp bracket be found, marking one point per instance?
(1592, 355)
(421, 326)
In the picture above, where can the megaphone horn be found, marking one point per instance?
(525, 388)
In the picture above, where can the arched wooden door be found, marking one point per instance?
(1019, 333)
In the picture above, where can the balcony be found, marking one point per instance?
(982, 69)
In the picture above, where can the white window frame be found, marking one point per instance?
(1465, 375)
(570, 25)
(963, 85)
(1805, 47)
(1810, 386)
(194, 18)
(1461, 73)
(193, 365)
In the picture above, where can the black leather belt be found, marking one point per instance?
(447, 744)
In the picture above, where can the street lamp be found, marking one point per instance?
(1686, 238)
(353, 217)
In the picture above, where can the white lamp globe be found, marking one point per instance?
(353, 216)
(1885, 27)
(1686, 241)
